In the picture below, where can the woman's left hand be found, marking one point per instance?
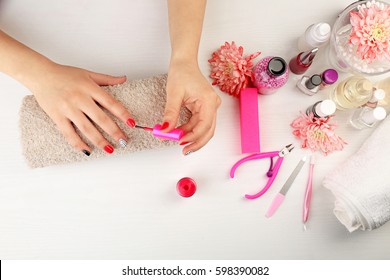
(187, 86)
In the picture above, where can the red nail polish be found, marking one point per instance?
(109, 149)
(164, 125)
(130, 122)
(184, 143)
(300, 63)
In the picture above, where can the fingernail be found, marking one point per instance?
(87, 153)
(187, 153)
(184, 143)
(109, 149)
(164, 125)
(130, 122)
(122, 143)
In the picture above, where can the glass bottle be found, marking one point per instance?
(353, 92)
(385, 85)
(367, 117)
(322, 109)
(270, 74)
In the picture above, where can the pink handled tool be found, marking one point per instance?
(273, 169)
(309, 187)
(279, 198)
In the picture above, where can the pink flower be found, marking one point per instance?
(230, 70)
(317, 134)
(371, 32)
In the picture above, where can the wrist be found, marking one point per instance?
(35, 72)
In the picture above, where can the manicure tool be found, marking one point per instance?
(307, 199)
(175, 134)
(278, 199)
(272, 171)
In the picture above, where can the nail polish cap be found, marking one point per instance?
(313, 81)
(379, 94)
(175, 134)
(379, 113)
(326, 108)
(329, 76)
(186, 187)
(320, 32)
(277, 66)
(307, 57)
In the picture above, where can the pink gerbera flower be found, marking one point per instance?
(230, 70)
(317, 134)
(371, 32)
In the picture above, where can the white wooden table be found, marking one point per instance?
(127, 207)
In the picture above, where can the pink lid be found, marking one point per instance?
(186, 187)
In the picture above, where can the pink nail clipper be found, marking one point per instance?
(272, 171)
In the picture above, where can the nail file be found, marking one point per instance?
(278, 199)
(249, 121)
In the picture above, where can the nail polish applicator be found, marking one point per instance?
(175, 134)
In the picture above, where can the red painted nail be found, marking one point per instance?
(184, 143)
(130, 122)
(109, 149)
(164, 125)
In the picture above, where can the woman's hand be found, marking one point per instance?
(187, 86)
(70, 96)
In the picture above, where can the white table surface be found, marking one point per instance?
(127, 207)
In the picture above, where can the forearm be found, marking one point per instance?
(185, 26)
(21, 62)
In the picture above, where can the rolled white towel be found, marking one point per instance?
(361, 185)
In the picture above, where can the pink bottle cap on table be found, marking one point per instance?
(186, 187)
(175, 134)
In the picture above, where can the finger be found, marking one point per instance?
(106, 80)
(189, 126)
(172, 110)
(202, 127)
(68, 131)
(90, 131)
(105, 122)
(201, 142)
(114, 106)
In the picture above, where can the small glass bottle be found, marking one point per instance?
(353, 92)
(367, 117)
(310, 85)
(270, 74)
(378, 95)
(314, 36)
(300, 63)
(385, 85)
(329, 77)
(322, 109)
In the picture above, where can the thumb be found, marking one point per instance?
(172, 111)
(106, 80)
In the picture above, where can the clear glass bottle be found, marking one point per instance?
(353, 92)
(322, 109)
(378, 95)
(367, 117)
(385, 85)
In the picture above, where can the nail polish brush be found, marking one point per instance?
(175, 134)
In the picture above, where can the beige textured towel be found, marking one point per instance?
(44, 145)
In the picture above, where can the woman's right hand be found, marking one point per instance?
(71, 98)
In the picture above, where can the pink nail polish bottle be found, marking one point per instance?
(270, 74)
(175, 134)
